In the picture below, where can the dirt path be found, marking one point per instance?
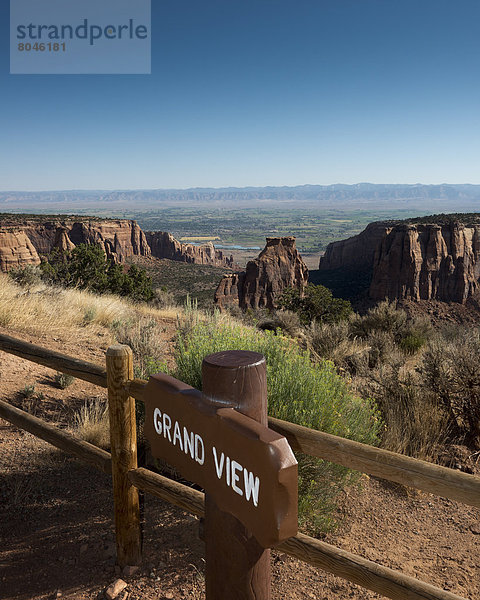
(57, 539)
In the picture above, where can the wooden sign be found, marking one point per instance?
(248, 469)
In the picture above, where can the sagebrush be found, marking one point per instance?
(302, 392)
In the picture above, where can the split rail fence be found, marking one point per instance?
(128, 478)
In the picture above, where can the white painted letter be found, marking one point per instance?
(188, 442)
(157, 420)
(200, 458)
(251, 486)
(177, 436)
(228, 471)
(236, 467)
(166, 428)
(218, 467)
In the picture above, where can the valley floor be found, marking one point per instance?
(57, 538)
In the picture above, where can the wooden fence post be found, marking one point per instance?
(237, 567)
(123, 441)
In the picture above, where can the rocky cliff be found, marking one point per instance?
(413, 260)
(277, 267)
(164, 245)
(23, 240)
(16, 250)
(427, 262)
(357, 251)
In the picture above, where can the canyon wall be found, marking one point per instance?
(427, 262)
(24, 240)
(277, 267)
(357, 251)
(418, 261)
(119, 238)
(164, 245)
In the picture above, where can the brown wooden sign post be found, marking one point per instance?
(237, 566)
(220, 440)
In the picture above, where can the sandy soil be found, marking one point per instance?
(57, 538)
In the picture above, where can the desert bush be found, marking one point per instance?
(381, 345)
(163, 298)
(286, 321)
(384, 317)
(89, 315)
(315, 303)
(412, 342)
(144, 338)
(385, 326)
(332, 341)
(450, 370)
(63, 380)
(27, 276)
(91, 423)
(310, 394)
(415, 423)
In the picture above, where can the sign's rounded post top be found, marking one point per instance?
(234, 359)
(237, 378)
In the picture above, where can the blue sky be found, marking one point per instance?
(259, 92)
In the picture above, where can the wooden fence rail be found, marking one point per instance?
(413, 472)
(344, 564)
(388, 465)
(55, 360)
(422, 475)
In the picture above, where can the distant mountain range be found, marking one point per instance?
(368, 195)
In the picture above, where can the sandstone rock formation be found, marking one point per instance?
(16, 250)
(357, 251)
(24, 240)
(420, 261)
(427, 262)
(277, 267)
(119, 238)
(164, 245)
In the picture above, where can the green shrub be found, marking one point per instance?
(385, 317)
(29, 391)
(298, 391)
(86, 266)
(316, 302)
(64, 380)
(412, 342)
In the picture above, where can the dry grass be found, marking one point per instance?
(45, 309)
(92, 423)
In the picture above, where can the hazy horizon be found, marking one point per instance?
(233, 187)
